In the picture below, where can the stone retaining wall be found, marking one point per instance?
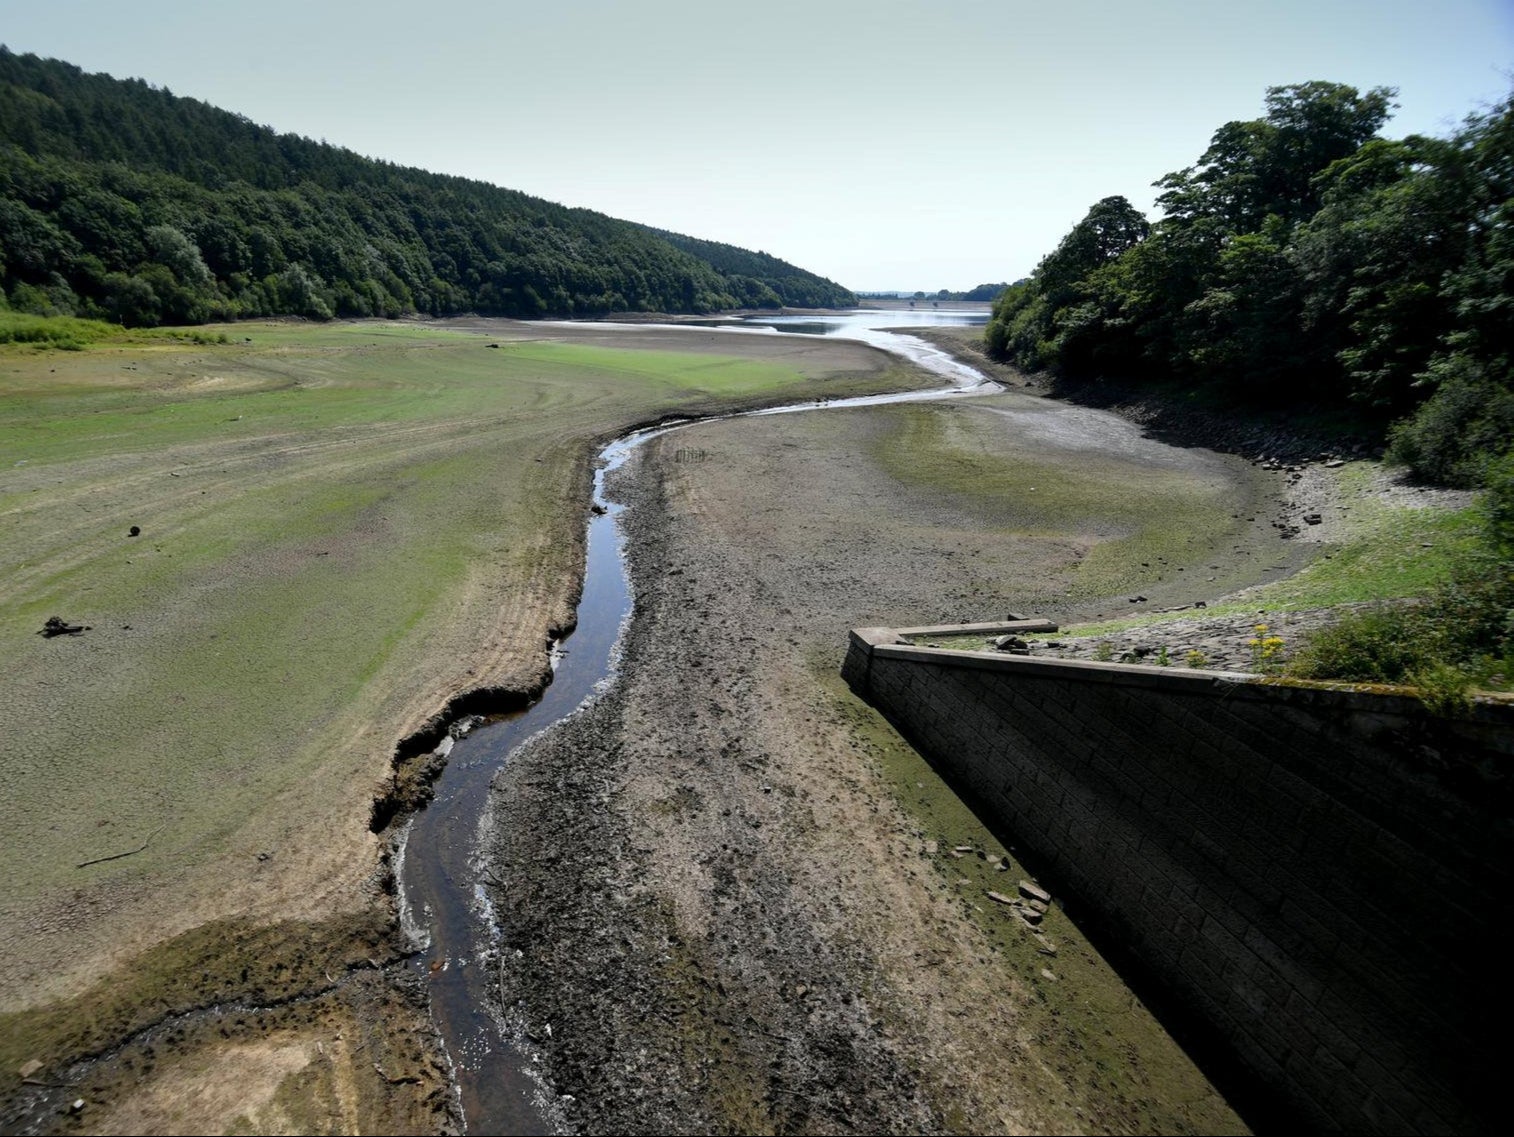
(1320, 875)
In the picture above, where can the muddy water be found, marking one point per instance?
(443, 902)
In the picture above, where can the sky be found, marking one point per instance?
(886, 144)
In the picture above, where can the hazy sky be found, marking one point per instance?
(885, 144)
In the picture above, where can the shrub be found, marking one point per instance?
(65, 332)
(1378, 645)
(1462, 633)
(1457, 430)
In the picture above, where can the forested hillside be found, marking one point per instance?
(121, 200)
(1304, 261)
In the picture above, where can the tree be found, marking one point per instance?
(1267, 166)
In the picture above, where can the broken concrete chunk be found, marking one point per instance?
(1031, 892)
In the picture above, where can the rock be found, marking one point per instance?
(999, 897)
(1335, 464)
(57, 626)
(462, 727)
(1047, 973)
(134, 531)
(1046, 947)
(444, 747)
(1313, 519)
(1011, 643)
(931, 848)
(1031, 892)
(29, 1068)
(598, 510)
(77, 1106)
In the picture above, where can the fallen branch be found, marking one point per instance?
(118, 856)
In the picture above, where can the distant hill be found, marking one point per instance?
(122, 200)
(766, 281)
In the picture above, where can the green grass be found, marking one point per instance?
(1386, 552)
(64, 332)
(1176, 518)
(69, 333)
(331, 516)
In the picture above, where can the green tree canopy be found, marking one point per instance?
(1304, 260)
(120, 199)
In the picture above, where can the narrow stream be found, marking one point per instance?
(443, 902)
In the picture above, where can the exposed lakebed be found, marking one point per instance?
(440, 872)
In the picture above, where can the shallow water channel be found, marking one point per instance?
(444, 906)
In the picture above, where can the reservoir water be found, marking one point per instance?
(444, 906)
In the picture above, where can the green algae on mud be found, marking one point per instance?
(337, 527)
(1124, 534)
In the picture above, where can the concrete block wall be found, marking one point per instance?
(1320, 875)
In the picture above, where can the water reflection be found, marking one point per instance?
(888, 330)
(855, 325)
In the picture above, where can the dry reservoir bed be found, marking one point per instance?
(737, 894)
(289, 551)
(740, 902)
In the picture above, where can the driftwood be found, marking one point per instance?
(119, 856)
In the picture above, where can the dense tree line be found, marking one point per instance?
(983, 292)
(1305, 260)
(121, 200)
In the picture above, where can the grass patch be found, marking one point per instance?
(1387, 552)
(956, 454)
(70, 333)
(1458, 637)
(63, 332)
(334, 520)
